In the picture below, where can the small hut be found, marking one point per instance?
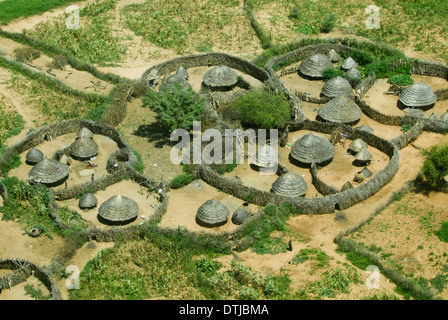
(266, 157)
(444, 117)
(363, 157)
(334, 56)
(364, 128)
(290, 184)
(353, 73)
(220, 78)
(212, 214)
(87, 201)
(312, 149)
(169, 83)
(182, 72)
(433, 117)
(340, 110)
(34, 156)
(418, 95)
(240, 215)
(84, 133)
(414, 112)
(336, 87)
(348, 64)
(357, 145)
(83, 148)
(118, 210)
(49, 172)
(314, 66)
(346, 186)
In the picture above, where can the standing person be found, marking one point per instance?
(290, 245)
(93, 176)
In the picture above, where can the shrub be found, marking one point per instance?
(59, 62)
(406, 127)
(26, 54)
(442, 233)
(260, 109)
(329, 23)
(401, 80)
(435, 166)
(208, 266)
(181, 181)
(176, 108)
(331, 73)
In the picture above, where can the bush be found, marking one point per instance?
(176, 108)
(401, 80)
(329, 23)
(442, 233)
(260, 109)
(59, 62)
(208, 266)
(26, 54)
(435, 166)
(331, 73)
(406, 127)
(181, 181)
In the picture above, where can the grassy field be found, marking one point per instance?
(11, 123)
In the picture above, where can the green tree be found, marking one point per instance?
(435, 166)
(176, 108)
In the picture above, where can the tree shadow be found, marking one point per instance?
(155, 133)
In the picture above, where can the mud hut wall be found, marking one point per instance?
(429, 68)
(442, 94)
(321, 186)
(404, 139)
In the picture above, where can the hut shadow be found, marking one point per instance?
(307, 165)
(308, 77)
(115, 223)
(155, 133)
(401, 106)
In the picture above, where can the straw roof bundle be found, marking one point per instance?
(353, 73)
(34, 156)
(220, 77)
(349, 63)
(212, 214)
(357, 145)
(340, 110)
(239, 216)
(290, 184)
(336, 87)
(364, 128)
(49, 172)
(418, 95)
(315, 65)
(182, 72)
(266, 157)
(169, 82)
(312, 149)
(84, 148)
(414, 112)
(346, 186)
(363, 156)
(118, 210)
(87, 201)
(84, 133)
(334, 56)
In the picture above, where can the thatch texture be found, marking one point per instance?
(84, 148)
(34, 156)
(239, 216)
(169, 83)
(312, 149)
(220, 77)
(444, 116)
(336, 87)
(334, 56)
(212, 214)
(414, 112)
(118, 210)
(87, 201)
(364, 128)
(357, 145)
(84, 133)
(290, 185)
(432, 117)
(349, 63)
(366, 172)
(340, 110)
(353, 73)
(266, 157)
(182, 72)
(49, 172)
(346, 186)
(418, 95)
(364, 155)
(315, 65)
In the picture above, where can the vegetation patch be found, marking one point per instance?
(435, 166)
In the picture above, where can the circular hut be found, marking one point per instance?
(87, 201)
(418, 95)
(83, 148)
(182, 72)
(290, 185)
(334, 56)
(266, 157)
(34, 156)
(348, 64)
(336, 87)
(357, 145)
(84, 133)
(314, 66)
(49, 172)
(433, 117)
(220, 78)
(340, 110)
(212, 214)
(239, 216)
(353, 73)
(363, 157)
(118, 210)
(170, 81)
(312, 149)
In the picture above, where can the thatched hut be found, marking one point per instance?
(312, 149)
(87, 201)
(336, 87)
(212, 214)
(348, 64)
(266, 157)
(118, 210)
(433, 117)
(334, 56)
(170, 81)
(314, 66)
(240, 215)
(290, 184)
(182, 72)
(83, 148)
(49, 172)
(84, 133)
(220, 78)
(357, 145)
(366, 172)
(418, 95)
(444, 116)
(34, 156)
(353, 73)
(363, 157)
(340, 110)
(346, 186)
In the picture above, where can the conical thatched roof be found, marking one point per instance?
(340, 110)
(357, 145)
(34, 156)
(418, 95)
(118, 209)
(432, 117)
(349, 63)
(182, 72)
(84, 148)
(414, 112)
(220, 76)
(334, 56)
(444, 117)
(312, 149)
(212, 214)
(346, 186)
(169, 82)
(290, 185)
(84, 133)
(353, 73)
(315, 65)
(87, 201)
(336, 87)
(363, 155)
(366, 172)
(239, 216)
(49, 172)
(364, 128)
(266, 157)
